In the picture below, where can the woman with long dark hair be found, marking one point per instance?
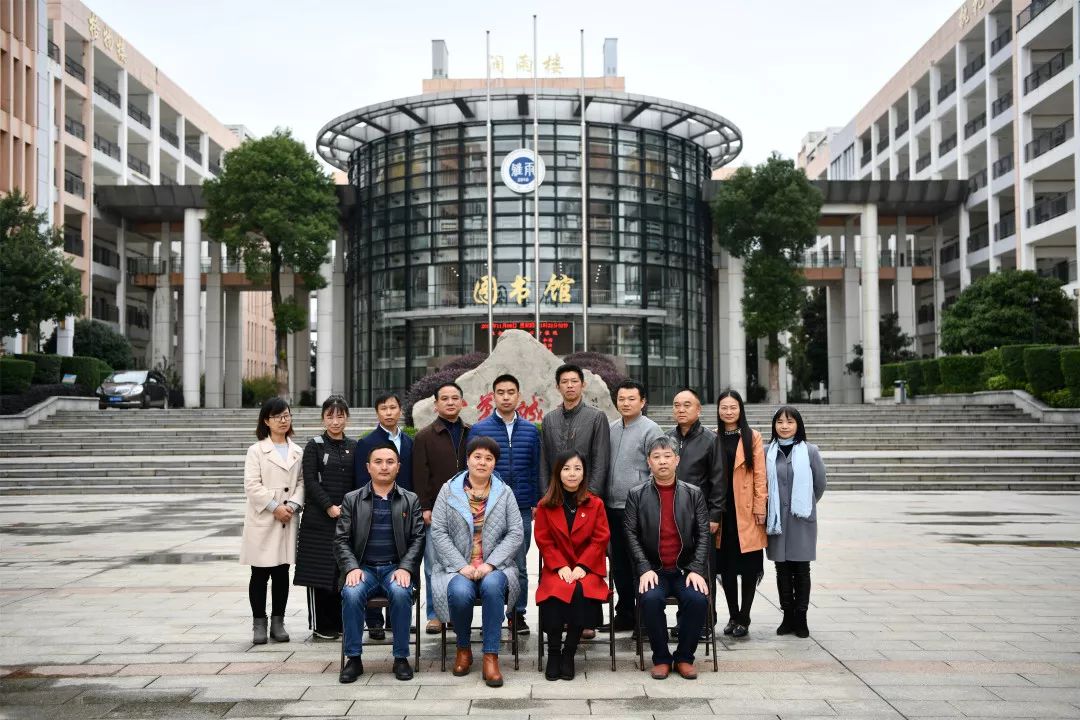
(741, 538)
(572, 535)
(275, 496)
(796, 479)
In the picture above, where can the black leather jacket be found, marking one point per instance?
(701, 463)
(354, 526)
(642, 524)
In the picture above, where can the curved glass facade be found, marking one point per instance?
(418, 250)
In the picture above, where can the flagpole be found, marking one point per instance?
(492, 286)
(584, 213)
(536, 182)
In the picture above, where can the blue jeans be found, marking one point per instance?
(522, 568)
(377, 582)
(693, 606)
(462, 593)
(429, 558)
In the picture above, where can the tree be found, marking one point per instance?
(96, 339)
(894, 344)
(275, 208)
(767, 216)
(808, 359)
(37, 283)
(1011, 307)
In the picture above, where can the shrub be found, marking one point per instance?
(960, 373)
(1063, 398)
(1070, 368)
(931, 375)
(88, 371)
(307, 398)
(992, 365)
(1043, 367)
(1012, 363)
(890, 373)
(15, 376)
(912, 372)
(94, 338)
(426, 386)
(464, 363)
(602, 365)
(47, 368)
(998, 382)
(254, 391)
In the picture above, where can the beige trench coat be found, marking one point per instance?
(267, 477)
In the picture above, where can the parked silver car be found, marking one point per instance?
(133, 388)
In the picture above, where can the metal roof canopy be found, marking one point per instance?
(149, 203)
(345, 133)
(897, 197)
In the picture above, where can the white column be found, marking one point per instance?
(337, 311)
(234, 346)
(215, 375)
(905, 301)
(834, 312)
(288, 290)
(302, 346)
(785, 339)
(736, 333)
(192, 292)
(121, 286)
(65, 337)
(870, 314)
(852, 334)
(161, 338)
(965, 231)
(324, 383)
(762, 364)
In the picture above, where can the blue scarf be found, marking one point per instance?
(802, 484)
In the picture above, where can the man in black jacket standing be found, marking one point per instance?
(378, 546)
(667, 528)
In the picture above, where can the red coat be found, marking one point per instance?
(585, 546)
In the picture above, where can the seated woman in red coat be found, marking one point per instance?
(571, 531)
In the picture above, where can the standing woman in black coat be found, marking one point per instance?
(328, 475)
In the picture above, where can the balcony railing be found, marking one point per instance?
(1031, 12)
(973, 126)
(166, 180)
(826, 259)
(903, 174)
(107, 146)
(108, 313)
(1048, 69)
(169, 136)
(866, 156)
(54, 51)
(1002, 165)
(922, 162)
(946, 90)
(978, 238)
(106, 92)
(976, 181)
(922, 111)
(214, 167)
(1051, 207)
(901, 128)
(138, 115)
(193, 153)
(1003, 103)
(74, 184)
(73, 242)
(145, 266)
(74, 69)
(1006, 227)
(74, 127)
(974, 66)
(138, 165)
(1001, 41)
(1048, 140)
(822, 258)
(925, 314)
(105, 256)
(883, 144)
(949, 253)
(947, 144)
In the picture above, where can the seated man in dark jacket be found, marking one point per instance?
(378, 546)
(667, 529)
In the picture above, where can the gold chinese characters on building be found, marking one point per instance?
(487, 290)
(112, 42)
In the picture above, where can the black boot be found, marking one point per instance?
(785, 590)
(554, 651)
(802, 599)
(566, 663)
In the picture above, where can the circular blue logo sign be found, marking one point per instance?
(521, 171)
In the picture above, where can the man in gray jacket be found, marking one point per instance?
(631, 435)
(575, 425)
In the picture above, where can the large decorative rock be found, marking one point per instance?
(520, 354)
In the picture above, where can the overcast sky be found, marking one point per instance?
(776, 69)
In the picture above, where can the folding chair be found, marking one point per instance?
(611, 627)
(384, 602)
(710, 623)
(478, 603)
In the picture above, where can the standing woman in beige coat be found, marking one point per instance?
(275, 496)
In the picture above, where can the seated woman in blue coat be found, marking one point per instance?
(518, 466)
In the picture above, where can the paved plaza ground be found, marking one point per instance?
(924, 605)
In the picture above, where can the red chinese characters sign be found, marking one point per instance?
(529, 410)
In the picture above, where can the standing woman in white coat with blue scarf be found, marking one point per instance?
(795, 473)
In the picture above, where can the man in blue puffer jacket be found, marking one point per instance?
(518, 466)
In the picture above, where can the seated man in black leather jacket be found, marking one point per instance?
(378, 546)
(667, 529)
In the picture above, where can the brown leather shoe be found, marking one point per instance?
(462, 661)
(660, 672)
(588, 634)
(687, 670)
(434, 627)
(491, 673)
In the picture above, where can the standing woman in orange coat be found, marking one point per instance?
(741, 538)
(571, 531)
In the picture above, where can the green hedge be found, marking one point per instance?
(47, 368)
(961, 373)
(890, 373)
(1043, 368)
(1012, 363)
(1070, 368)
(931, 376)
(15, 376)
(912, 372)
(992, 365)
(89, 371)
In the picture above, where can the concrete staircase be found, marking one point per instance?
(865, 447)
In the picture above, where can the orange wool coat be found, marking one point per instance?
(586, 545)
(751, 491)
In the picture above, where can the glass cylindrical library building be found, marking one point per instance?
(416, 220)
